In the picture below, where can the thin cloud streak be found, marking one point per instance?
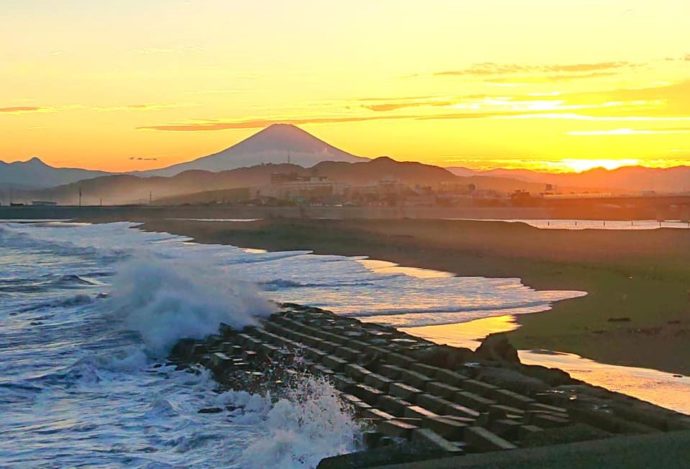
(20, 109)
(395, 106)
(583, 117)
(261, 123)
(626, 132)
(489, 68)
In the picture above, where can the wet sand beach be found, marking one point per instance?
(636, 311)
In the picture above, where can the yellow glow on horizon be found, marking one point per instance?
(580, 166)
(134, 85)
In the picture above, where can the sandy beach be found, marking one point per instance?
(636, 311)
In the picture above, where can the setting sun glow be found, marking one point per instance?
(585, 165)
(443, 82)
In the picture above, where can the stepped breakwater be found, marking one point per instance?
(417, 400)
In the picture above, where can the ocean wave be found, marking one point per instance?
(46, 282)
(72, 301)
(310, 423)
(280, 284)
(166, 300)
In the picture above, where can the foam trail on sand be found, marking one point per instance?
(165, 300)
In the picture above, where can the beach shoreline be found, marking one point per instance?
(635, 313)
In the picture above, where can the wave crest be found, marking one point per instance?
(165, 300)
(312, 422)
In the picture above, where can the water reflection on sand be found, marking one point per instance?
(661, 388)
(562, 224)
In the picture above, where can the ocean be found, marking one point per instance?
(88, 314)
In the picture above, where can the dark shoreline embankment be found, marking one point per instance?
(421, 401)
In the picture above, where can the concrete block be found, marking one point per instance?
(415, 379)
(460, 410)
(480, 439)
(376, 414)
(434, 403)
(378, 381)
(350, 398)
(232, 349)
(396, 428)
(450, 377)
(546, 420)
(404, 391)
(390, 371)
(347, 353)
(431, 440)
(368, 394)
(220, 360)
(425, 369)
(511, 398)
(357, 372)
(548, 408)
(375, 350)
(499, 411)
(441, 389)
(479, 387)
(267, 349)
(322, 370)
(358, 405)
(400, 360)
(393, 405)
(506, 428)
(415, 411)
(445, 407)
(446, 427)
(241, 339)
(333, 362)
(314, 353)
(343, 383)
(336, 339)
(472, 400)
(330, 346)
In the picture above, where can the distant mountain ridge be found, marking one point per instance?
(627, 178)
(276, 144)
(125, 188)
(35, 174)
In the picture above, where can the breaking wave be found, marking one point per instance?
(165, 300)
(312, 422)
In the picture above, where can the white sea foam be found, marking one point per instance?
(166, 300)
(312, 422)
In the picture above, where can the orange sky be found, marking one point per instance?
(548, 84)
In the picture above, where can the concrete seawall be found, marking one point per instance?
(423, 401)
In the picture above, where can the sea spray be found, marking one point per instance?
(309, 423)
(165, 300)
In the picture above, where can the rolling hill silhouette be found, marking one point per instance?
(35, 174)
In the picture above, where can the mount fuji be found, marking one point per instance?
(277, 144)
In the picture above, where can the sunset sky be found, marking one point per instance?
(549, 84)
